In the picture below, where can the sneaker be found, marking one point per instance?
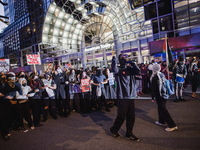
(160, 124)
(176, 100)
(171, 129)
(9, 133)
(32, 127)
(133, 138)
(115, 134)
(23, 129)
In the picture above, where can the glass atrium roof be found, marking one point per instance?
(73, 24)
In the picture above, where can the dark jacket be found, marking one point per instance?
(126, 84)
(60, 85)
(9, 91)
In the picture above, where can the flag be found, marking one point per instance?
(167, 50)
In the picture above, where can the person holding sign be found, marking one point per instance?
(86, 104)
(48, 95)
(109, 87)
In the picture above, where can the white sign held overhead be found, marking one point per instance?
(4, 65)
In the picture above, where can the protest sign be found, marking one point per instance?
(67, 66)
(110, 78)
(33, 59)
(85, 84)
(74, 88)
(4, 65)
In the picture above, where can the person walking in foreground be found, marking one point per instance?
(126, 93)
(159, 90)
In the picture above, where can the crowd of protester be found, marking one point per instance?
(28, 98)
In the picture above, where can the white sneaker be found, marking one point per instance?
(171, 129)
(160, 124)
(32, 127)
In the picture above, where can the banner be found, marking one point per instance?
(33, 59)
(85, 84)
(74, 88)
(110, 78)
(4, 65)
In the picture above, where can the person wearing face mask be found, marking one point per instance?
(86, 104)
(180, 71)
(126, 93)
(99, 80)
(110, 89)
(159, 90)
(72, 81)
(48, 94)
(23, 101)
(60, 79)
(11, 105)
(36, 102)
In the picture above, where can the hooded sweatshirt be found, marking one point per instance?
(25, 90)
(125, 78)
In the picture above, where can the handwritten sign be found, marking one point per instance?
(110, 78)
(85, 84)
(33, 59)
(4, 65)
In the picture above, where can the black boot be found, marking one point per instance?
(176, 100)
(182, 99)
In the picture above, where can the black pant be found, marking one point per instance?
(49, 105)
(86, 104)
(74, 102)
(25, 110)
(62, 104)
(36, 105)
(16, 115)
(163, 113)
(102, 99)
(5, 116)
(126, 109)
(195, 83)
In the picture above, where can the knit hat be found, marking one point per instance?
(10, 74)
(150, 67)
(156, 67)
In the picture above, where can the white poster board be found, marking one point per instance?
(4, 65)
(33, 59)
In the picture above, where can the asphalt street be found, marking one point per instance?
(91, 131)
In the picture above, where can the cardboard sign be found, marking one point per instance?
(74, 88)
(110, 78)
(85, 84)
(4, 65)
(33, 59)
